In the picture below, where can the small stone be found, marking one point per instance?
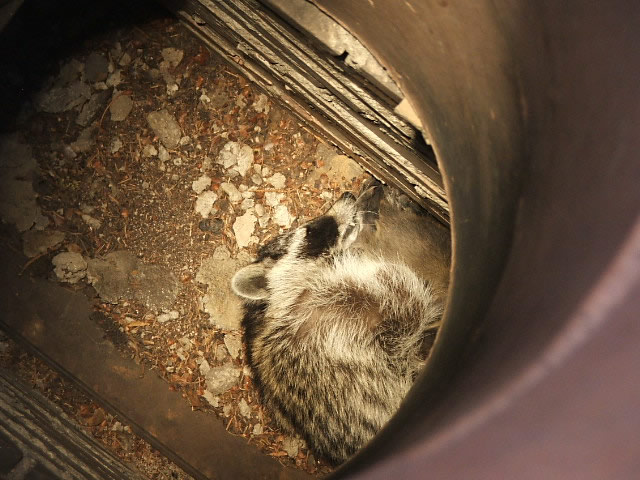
(213, 225)
(237, 155)
(292, 445)
(277, 180)
(244, 409)
(163, 154)
(266, 171)
(204, 367)
(70, 267)
(96, 68)
(201, 184)
(258, 429)
(88, 209)
(273, 199)
(177, 161)
(149, 151)
(282, 217)
(227, 409)
(213, 400)
(261, 104)
(264, 220)
(221, 355)
(243, 229)
(116, 145)
(85, 140)
(120, 107)
(247, 203)
(186, 343)
(233, 342)
(259, 209)
(232, 192)
(91, 221)
(172, 56)
(114, 79)
(165, 127)
(36, 242)
(204, 203)
(125, 60)
(186, 140)
(165, 317)
(68, 152)
(219, 302)
(172, 89)
(91, 109)
(62, 99)
(220, 379)
(256, 178)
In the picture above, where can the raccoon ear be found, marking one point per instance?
(251, 282)
(368, 204)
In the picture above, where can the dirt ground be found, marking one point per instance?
(152, 150)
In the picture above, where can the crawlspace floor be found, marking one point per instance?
(147, 171)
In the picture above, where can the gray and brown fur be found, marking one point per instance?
(337, 313)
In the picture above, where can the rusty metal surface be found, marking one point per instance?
(56, 322)
(533, 111)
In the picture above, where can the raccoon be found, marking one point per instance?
(336, 316)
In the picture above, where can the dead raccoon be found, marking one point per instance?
(336, 316)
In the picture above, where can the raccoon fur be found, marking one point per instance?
(336, 316)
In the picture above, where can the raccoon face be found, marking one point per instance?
(322, 237)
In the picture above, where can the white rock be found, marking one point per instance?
(70, 267)
(292, 445)
(247, 203)
(278, 180)
(237, 155)
(220, 379)
(163, 154)
(213, 400)
(204, 367)
(201, 184)
(273, 198)
(264, 220)
(233, 342)
(244, 408)
(282, 217)
(149, 151)
(172, 56)
(223, 307)
(125, 60)
(232, 192)
(114, 79)
(243, 229)
(204, 203)
(258, 429)
(256, 178)
(165, 317)
(116, 144)
(261, 104)
(259, 209)
(266, 171)
(91, 221)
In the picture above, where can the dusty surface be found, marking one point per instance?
(145, 173)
